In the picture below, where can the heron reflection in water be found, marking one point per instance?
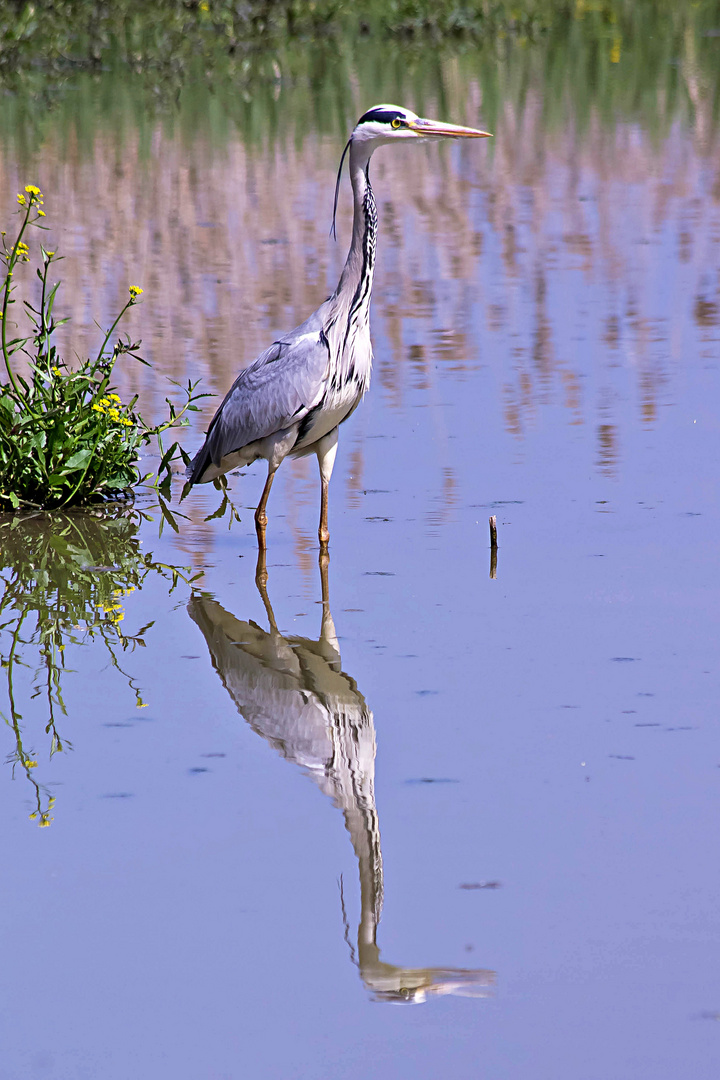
(293, 692)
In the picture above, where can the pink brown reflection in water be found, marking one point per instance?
(552, 259)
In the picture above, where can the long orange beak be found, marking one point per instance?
(452, 131)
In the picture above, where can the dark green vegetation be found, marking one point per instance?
(255, 55)
(66, 438)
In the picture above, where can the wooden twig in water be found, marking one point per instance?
(493, 546)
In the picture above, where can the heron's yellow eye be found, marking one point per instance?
(396, 122)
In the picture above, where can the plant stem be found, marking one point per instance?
(107, 336)
(6, 299)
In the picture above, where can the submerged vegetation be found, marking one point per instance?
(66, 438)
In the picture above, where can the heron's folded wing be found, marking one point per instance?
(274, 392)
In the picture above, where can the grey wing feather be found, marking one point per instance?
(274, 392)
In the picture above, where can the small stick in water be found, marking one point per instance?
(493, 546)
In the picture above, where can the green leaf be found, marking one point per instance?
(168, 516)
(79, 460)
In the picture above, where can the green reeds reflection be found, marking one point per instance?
(64, 577)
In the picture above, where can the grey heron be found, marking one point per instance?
(294, 693)
(293, 397)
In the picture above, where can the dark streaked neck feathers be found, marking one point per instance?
(354, 287)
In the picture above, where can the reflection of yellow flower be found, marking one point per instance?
(615, 51)
(45, 821)
(30, 764)
(33, 815)
(135, 290)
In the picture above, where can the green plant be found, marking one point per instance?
(66, 438)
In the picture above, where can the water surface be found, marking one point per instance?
(284, 811)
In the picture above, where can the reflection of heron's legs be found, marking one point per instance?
(324, 562)
(261, 577)
(325, 450)
(260, 515)
(328, 634)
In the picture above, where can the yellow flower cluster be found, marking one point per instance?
(36, 198)
(23, 251)
(135, 291)
(108, 406)
(30, 764)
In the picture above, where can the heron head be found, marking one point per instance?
(385, 123)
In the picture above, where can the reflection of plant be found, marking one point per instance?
(64, 579)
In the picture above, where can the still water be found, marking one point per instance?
(390, 816)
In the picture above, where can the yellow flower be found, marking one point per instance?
(29, 764)
(114, 397)
(204, 6)
(41, 213)
(98, 408)
(126, 423)
(56, 371)
(135, 290)
(33, 815)
(21, 198)
(32, 190)
(104, 401)
(44, 821)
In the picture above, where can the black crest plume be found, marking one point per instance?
(337, 188)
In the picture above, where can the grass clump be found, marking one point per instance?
(66, 437)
